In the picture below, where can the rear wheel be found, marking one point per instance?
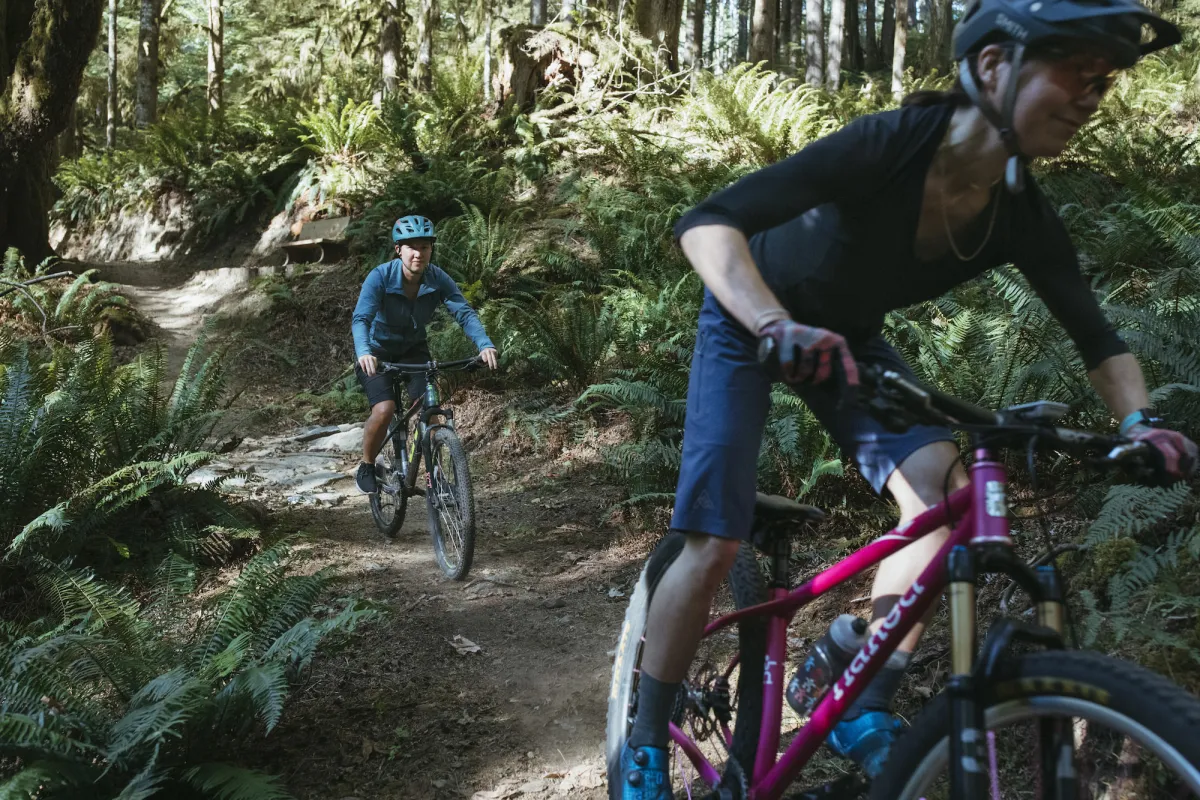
(1130, 735)
(451, 504)
(720, 704)
(389, 504)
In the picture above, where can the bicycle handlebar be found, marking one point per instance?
(899, 402)
(429, 366)
(888, 392)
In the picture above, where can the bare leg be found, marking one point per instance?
(918, 484)
(376, 429)
(681, 603)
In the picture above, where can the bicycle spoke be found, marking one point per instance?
(446, 494)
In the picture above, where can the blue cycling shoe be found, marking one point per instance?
(866, 740)
(644, 774)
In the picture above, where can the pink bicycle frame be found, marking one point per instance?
(980, 514)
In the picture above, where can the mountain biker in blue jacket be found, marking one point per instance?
(395, 305)
(811, 253)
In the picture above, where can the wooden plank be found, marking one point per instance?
(332, 229)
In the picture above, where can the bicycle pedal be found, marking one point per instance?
(847, 787)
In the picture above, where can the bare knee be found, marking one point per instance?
(709, 558)
(383, 411)
(926, 477)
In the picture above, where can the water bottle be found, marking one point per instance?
(826, 662)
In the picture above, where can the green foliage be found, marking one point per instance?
(112, 697)
(481, 251)
(225, 172)
(97, 457)
(66, 309)
(347, 145)
(567, 338)
(753, 116)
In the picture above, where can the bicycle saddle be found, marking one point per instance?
(776, 508)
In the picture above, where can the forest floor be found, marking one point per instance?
(400, 711)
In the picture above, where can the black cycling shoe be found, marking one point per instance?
(365, 478)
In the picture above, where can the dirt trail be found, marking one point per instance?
(400, 712)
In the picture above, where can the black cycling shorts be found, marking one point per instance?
(382, 387)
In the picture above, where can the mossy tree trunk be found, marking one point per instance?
(216, 57)
(427, 22)
(659, 21)
(44, 47)
(146, 111)
(114, 109)
(391, 45)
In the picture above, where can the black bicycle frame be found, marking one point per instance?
(428, 411)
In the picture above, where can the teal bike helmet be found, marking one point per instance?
(1113, 27)
(413, 227)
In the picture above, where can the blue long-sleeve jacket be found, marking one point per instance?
(386, 323)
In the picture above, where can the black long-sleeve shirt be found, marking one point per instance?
(833, 227)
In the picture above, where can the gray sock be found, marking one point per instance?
(656, 701)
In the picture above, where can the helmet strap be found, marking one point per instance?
(1002, 121)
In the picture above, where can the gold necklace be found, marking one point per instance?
(995, 201)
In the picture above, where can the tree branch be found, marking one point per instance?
(22, 287)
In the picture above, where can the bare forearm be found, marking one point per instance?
(1119, 382)
(721, 257)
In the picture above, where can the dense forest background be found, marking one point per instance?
(555, 146)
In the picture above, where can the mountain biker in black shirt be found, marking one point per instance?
(895, 208)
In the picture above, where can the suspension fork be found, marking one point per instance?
(968, 778)
(1060, 778)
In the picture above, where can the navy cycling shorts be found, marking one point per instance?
(728, 397)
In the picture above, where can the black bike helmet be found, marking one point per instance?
(1113, 27)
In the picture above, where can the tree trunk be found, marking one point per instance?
(146, 111)
(814, 41)
(426, 22)
(216, 57)
(872, 54)
(743, 40)
(887, 32)
(537, 12)
(110, 132)
(785, 32)
(714, 7)
(391, 46)
(697, 36)
(67, 144)
(901, 44)
(487, 51)
(853, 58)
(659, 21)
(797, 32)
(941, 33)
(44, 48)
(837, 42)
(762, 36)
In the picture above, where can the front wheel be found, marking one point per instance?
(390, 502)
(719, 705)
(451, 504)
(1131, 735)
